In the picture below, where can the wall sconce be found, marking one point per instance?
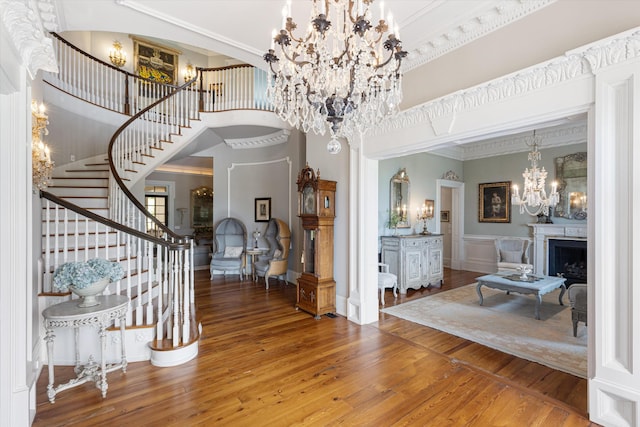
(426, 213)
(189, 72)
(41, 164)
(117, 56)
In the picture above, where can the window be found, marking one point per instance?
(156, 201)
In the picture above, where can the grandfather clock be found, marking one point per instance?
(316, 291)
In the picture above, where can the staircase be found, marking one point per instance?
(89, 210)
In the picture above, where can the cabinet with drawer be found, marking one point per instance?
(415, 259)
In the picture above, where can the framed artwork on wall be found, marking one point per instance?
(444, 216)
(494, 202)
(155, 62)
(263, 209)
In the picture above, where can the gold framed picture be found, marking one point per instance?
(155, 62)
(494, 204)
(444, 216)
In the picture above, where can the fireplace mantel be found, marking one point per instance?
(541, 235)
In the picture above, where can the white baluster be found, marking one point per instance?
(47, 248)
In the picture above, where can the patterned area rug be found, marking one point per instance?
(505, 323)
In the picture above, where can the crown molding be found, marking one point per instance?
(26, 23)
(571, 66)
(275, 138)
(471, 29)
(183, 169)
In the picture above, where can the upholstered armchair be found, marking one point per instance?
(578, 301)
(274, 262)
(512, 253)
(230, 237)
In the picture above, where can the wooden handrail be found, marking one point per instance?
(118, 179)
(109, 223)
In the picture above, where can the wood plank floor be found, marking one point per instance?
(262, 363)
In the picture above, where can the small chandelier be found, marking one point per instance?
(341, 71)
(41, 164)
(534, 195)
(117, 56)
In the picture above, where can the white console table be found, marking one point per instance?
(416, 260)
(69, 315)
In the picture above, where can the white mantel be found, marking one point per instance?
(541, 235)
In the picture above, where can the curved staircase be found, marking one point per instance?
(89, 210)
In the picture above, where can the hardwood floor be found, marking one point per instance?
(261, 362)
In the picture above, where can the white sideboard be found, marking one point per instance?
(415, 259)
(541, 235)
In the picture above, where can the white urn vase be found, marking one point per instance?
(88, 294)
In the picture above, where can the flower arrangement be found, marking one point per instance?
(83, 274)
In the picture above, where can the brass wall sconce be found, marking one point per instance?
(426, 213)
(189, 73)
(117, 56)
(41, 163)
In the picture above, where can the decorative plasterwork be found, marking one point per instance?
(276, 138)
(26, 27)
(573, 133)
(573, 65)
(471, 29)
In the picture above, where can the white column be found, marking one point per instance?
(614, 290)
(362, 304)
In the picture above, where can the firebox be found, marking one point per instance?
(569, 259)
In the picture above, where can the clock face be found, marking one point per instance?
(308, 200)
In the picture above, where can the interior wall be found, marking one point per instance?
(243, 175)
(99, 43)
(423, 170)
(184, 183)
(507, 168)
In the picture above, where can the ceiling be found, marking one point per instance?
(241, 29)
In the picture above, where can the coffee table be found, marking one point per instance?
(536, 284)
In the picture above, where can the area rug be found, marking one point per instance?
(505, 323)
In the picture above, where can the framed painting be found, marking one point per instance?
(263, 209)
(494, 204)
(155, 62)
(444, 216)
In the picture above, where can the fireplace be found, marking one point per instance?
(569, 259)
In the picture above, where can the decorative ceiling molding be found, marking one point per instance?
(566, 134)
(184, 169)
(471, 29)
(276, 138)
(26, 26)
(573, 65)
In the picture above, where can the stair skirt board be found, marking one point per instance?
(177, 356)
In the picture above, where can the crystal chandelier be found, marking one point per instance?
(41, 164)
(117, 56)
(341, 70)
(534, 195)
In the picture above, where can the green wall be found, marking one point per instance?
(506, 168)
(424, 169)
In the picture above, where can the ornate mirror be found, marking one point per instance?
(571, 175)
(399, 199)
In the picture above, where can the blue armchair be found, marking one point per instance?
(230, 240)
